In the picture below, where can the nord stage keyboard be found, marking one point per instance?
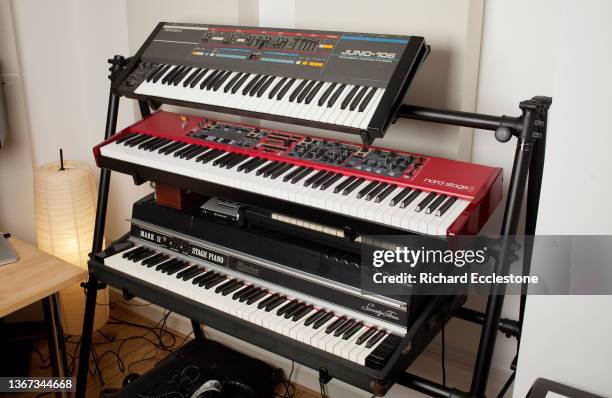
(314, 318)
(397, 190)
(350, 82)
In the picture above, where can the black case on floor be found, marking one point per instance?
(213, 361)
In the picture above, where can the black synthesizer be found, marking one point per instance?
(349, 82)
(287, 295)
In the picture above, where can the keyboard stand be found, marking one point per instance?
(530, 130)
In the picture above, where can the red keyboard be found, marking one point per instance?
(402, 190)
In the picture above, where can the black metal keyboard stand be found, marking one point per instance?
(527, 171)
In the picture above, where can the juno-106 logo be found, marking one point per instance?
(448, 184)
(369, 54)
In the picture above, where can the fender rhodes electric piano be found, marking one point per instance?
(350, 82)
(375, 189)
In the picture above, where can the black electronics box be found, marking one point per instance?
(197, 362)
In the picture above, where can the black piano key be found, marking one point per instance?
(222, 158)
(267, 167)
(255, 165)
(240, 82)
(198, 77)
(158, 261)
(326, 94)
(219, 83)
(331, 181)
(186, 271)
(302, 96)
(262, 89)
(372, 194)
(192, 76)
(233, 81)
(154, 72)
(135, 141)
(317, 183)
(177, 268)
(176, 148)
(205, 276)
(214, 79)
(267, 301)
(164, 265)
(189, 150)
(132, 138)
(293, 310)
(434, 205)
(302, 313)
(176, 76)
(277, 87)
(160, 144)
(213, 155)
(275, 303)
(366, 335)
(347, 100)
(335, 324)
(344, 184)
(238, 160)
(290, 305)
(425, 201)
(350, 332)
(297, 90)
(345, 326)
(181, 75)
(314, 317)
(367, 99)
(256, 296)
(285, 88)
(314, 177)
(193, 271)
(125, 137)
(247, 164)
(358, 98)
(169, 147)
(230, 162)
(245, 297)
(413, 195)
(334, 97)
(272, 170)
(385, 193)
(145, 144)
(247, 289)
(321, 321)
(257, 85)
(313, 92)
(204, 155)
(353, 186)
(366, 189)
(152, 259)
(215, 277)
(161, 73)
(225, 285)
(142, 255)
(170, 75)
(282, 170)
(379, 357)
(375, 339)
(250, 84)
(295, 172)
(444, 208)
(231, 289)
(307, 171)
(400, 196)
(184, 150)
(214, 282)
(207, 79)
(195, 152)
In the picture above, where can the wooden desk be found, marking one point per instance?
(38, 276)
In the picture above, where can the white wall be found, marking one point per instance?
(546, 47)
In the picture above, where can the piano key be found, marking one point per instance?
(425, 201)
(440, 212)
